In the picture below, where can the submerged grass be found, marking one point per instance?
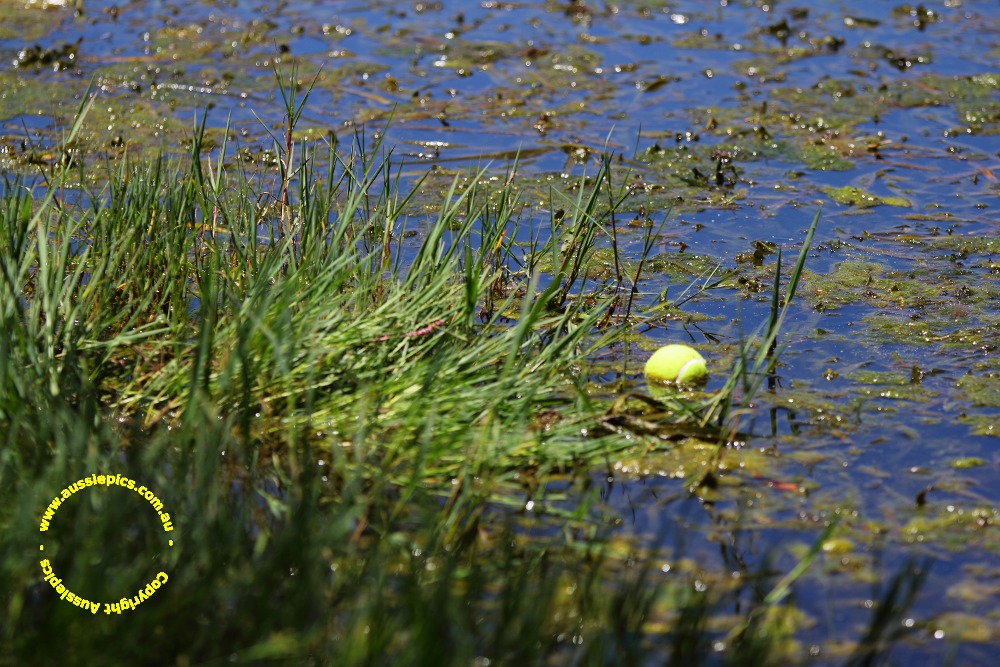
(334, 415)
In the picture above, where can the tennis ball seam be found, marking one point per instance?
(682, 371)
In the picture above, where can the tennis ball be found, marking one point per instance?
(677, 364)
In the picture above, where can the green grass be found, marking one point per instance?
(343, 424)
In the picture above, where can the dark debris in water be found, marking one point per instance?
(57, 58)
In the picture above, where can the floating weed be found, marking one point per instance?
(882, 378)
(681, 456)
(966, 628)
(680, 267)
(967, 462)
(890, 387)
(981, 390)
(31, 21)
(870, 282)
(962, 247)
(952, 525)
(852, 196)
(899, 329)
(988, 425)
(822, 157)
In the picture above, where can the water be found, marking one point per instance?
(741, 118)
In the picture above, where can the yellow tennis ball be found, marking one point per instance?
(678, 364)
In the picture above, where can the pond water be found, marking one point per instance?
(738, 120)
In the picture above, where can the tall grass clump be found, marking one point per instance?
(334, 415)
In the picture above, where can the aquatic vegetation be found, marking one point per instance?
(379, 367)
(859, 198)
(271, 351)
